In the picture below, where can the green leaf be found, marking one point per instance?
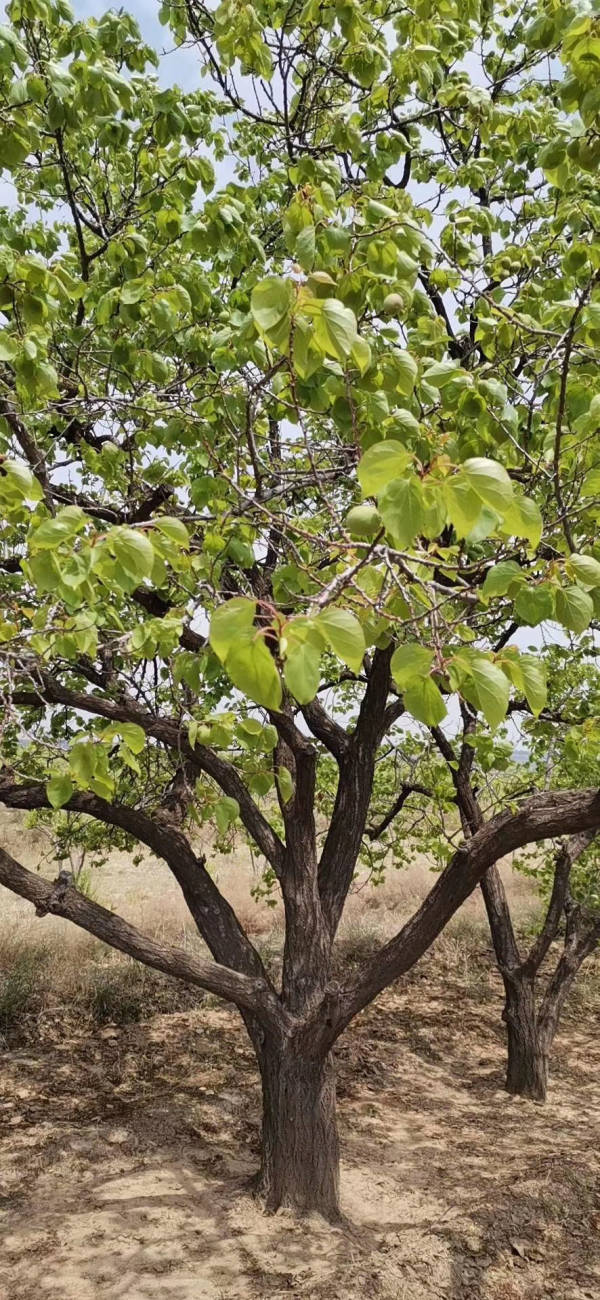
(285, 784)
(83, 762)
(533, 672)
(463, 504)
(586, 570)
(410, 663)
(345, 636)
(133, 550)
(535, 605)
(523, 519)
(271, 302)
(493, 690)
(361, 355)
(591, 483)
(335, 329)
(174, 529)
(252, 670)
(574, 608)
(425, 701)
(51, 532)
(133, 735)
(304, 249)
(9, 347)
(403, 511)
(20, 481)
(443, 373)
(232, 620)
(490, 481)
(381, 464)
(406, 370)
(59, 790)
(133, 291)
(507, 576)
(302, 672)
(227, 810)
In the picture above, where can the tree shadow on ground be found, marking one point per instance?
(128, 1153)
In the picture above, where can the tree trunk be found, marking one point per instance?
(300, 1152)
(527, 1073)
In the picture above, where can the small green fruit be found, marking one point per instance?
(363, 521)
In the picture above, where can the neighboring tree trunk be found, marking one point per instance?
(528, 1044)
(300, 1151)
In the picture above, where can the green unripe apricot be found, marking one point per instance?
(363, 521)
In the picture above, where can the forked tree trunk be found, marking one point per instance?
(528, 1045)
(300, 1151)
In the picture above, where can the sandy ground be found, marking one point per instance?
(126, 1154)
(126, 1151)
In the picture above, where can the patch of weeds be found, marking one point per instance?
(22, 991)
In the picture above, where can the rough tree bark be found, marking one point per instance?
(531, 1021)
(300, 1147)
(528, 1047)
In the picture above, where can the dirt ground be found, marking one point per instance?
(126, 1154)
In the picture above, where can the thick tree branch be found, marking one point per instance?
(251, 994)
(353, 796)
(545, 815)
(566, 856)
(167, 732)
(213, 915)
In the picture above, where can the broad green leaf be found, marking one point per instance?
(403, 511)
(272, 301)
(425, 701)
(285, 783)
(301, 672)
(535, 605)
(507, 576)
(381, 464)
(406, 370)
(443, 373)
(523, 519)
(574, 608)
(230, 622)
(493, 690)
(50, 533)
(585, 569)
(83, 762)
(490, 481)
(591, 483)
(304, 250)
(59, 790)
(19, 481)
(463, 504)
(410, 663)
(174, 529)
(252, 670)
(335, 329)
(133, 291)
(133, 550)
(133, 735)
(533, 672)
(345, 636)
(227, 810)
(9, 346)
(360, 353)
